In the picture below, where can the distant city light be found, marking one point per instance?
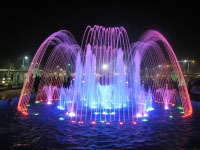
(185, 61)
(26, 57)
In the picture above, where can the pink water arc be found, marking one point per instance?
(111, 78)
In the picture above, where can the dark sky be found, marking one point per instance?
(25, 26)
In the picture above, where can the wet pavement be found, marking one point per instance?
(10, 94)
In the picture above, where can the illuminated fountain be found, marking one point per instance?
(50, 90)
(111, 79)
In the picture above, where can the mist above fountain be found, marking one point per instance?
(111, 79)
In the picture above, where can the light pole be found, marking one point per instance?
(188, 64)
(25, 58)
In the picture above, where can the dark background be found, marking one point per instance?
(24, 26)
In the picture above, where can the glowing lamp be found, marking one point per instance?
(37, 102)
(107, 122)
(145, 115)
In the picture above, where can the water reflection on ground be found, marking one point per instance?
(42, 129)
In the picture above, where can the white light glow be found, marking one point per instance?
(105, 66)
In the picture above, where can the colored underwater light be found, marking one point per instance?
(36, 114)
(182, 112)
(96, 113)
(93, 122)
(180, 107)
(60, 107)
(104, 113)
(61, 118)
(166, 107)
(134, 122)
(107, 122)
(80, 122)
(173, 104)
(121, 123)
(71, 114)
(37, 102)
(28, 105)
(49, 102)
(145, 115)
(144, 120)
(170, 116)
(24, 113)
(112, 113)
(102, 121)
(105, 66)
(150, 109)
(139, 115)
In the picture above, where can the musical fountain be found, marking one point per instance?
(112, 80)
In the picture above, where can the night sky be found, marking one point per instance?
(25, 26)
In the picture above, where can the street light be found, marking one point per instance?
(188, 64)
(25, 58)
